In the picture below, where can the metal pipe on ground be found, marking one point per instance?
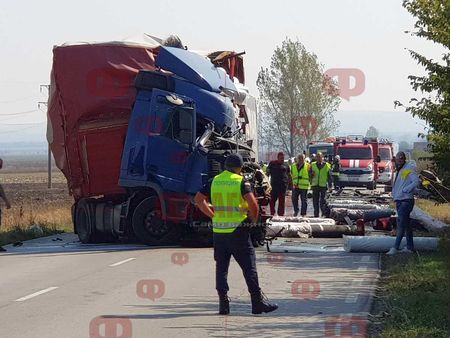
(359, 206)
(384, 243)
(316, 230)
(339, 214)
(430, 223)
(377, 214)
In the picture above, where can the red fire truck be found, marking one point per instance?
(385, 166)
(359, 161)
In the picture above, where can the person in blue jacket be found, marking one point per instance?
(405, 183)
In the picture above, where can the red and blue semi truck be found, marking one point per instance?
(137, 129)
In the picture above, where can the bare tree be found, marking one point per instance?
(297, 101)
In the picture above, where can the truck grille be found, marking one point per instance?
(355, 172)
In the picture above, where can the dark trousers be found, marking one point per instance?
(303, 193)
(280, 196)
(319, 194)
(239, 245)
(336, 182)
(404, 208)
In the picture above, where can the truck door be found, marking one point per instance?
(170, 146)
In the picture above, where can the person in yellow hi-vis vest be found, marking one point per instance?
(234, 209)
(320, 173)
(300, 184)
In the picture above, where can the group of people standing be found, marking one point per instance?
(302, 176)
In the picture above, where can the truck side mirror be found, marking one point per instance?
(378, 159)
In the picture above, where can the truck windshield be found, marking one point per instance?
(385, 154)
(359, 153)
(324, 149)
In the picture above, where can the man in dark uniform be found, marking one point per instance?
(280, 177)
(335, 172)
(234, 208)
(4, 198)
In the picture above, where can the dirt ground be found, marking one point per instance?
(32, 201)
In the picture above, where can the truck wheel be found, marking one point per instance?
(72, 213)
(148, 225)
(372, 185)
(84, 221)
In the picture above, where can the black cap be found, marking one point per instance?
(234, 161)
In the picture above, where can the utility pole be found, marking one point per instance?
(49, 153)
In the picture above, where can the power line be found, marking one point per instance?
(17, 130)
(19, 99)
(20, 113)
(23, 124)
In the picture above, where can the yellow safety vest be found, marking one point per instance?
(230, 208)
(300, 178)
(320, 177)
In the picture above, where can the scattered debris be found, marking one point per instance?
(36, 230)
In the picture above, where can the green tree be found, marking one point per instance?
(433, 23)
(372, 132)
(297, 101)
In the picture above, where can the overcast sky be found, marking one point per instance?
(362, 34)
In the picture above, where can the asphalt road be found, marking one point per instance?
(65, 289)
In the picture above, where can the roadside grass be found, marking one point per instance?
(413, 297)
(53, 219)
(416, 294)
(439, 211)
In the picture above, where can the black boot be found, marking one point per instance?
(224, 304)
(261, 304)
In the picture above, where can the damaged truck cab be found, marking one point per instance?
(188, 113)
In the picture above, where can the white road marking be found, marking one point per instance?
(351, 298)
(36, 294)
(123, 262)
(362, 268)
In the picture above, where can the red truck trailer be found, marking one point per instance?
(137, 128)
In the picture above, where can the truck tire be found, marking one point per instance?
(85, 221)
(148, 225)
